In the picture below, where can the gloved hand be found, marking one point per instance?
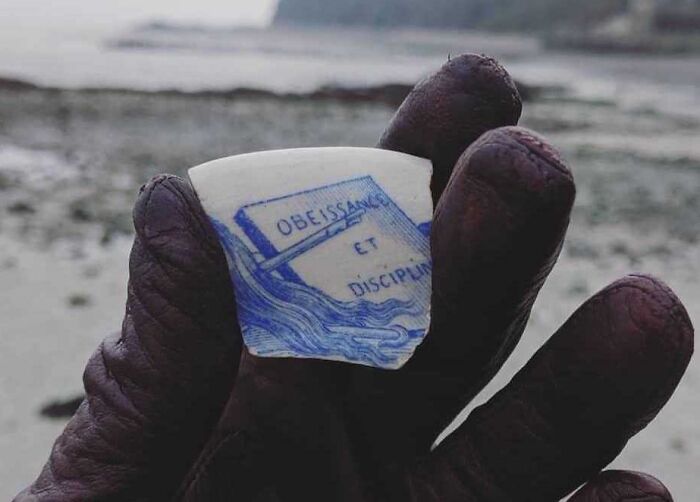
(176, 409)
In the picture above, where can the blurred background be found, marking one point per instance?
(96, 97)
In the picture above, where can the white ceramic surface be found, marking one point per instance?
(328, 250)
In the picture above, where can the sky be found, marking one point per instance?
(102, 12)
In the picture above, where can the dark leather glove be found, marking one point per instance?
(176, 409)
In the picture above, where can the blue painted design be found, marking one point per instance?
(425, 228)
(265, 246)
(281, 314)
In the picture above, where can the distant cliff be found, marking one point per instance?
(493, 14)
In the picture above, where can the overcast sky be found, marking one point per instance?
(28, 12)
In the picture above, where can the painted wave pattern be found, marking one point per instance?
(286, 318)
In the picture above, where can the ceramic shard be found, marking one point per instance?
(328, 250)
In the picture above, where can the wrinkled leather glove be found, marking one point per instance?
(176, 409)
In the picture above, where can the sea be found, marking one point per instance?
(157, 55)
(71, 161)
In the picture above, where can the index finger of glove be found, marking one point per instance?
(449, 110)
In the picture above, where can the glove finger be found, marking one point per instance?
(449, 110)
(569, 412)
(622, 486)
(155, 391)
(496, 234)
(282, 436)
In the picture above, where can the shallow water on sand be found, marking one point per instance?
(71, 162)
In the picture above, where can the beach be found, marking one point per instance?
(102, 112)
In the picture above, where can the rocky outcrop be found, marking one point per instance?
(500, 14)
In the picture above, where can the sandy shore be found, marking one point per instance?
(71, 162)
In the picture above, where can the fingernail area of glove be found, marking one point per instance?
(328, 250)
(644, 488)
(521, 166)
(153, 213)
(627, 492)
